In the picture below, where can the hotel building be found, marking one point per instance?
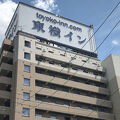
(49, 70)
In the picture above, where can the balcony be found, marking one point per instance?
(5, 80)
(37, 118)
(7, 42)
(72, 84)
(7, 54)
(68, 103)
(74, 111)
(6, 73)
(4, 102)
(65, 71)
(4, 117)
(4, 94)
(6, 70)
(7, 45)
(5, 66)
(55, 54)
(71, 110)
(73, 97)
(6, 57)
(4, 110)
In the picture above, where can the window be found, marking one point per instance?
(27, 44)
(26, 96)
(27, 56)
(62, 54)
(38, 98)
(26, 68)
(67, 118)
(89, 109)
(26, 112)
(26, 82)
(66, 105)
(38, 115)
(53, 117)
(52, 102)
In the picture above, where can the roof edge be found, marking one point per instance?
(91, 26)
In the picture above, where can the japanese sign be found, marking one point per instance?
(55, 28)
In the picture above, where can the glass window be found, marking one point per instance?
(53, 117)
(26, 96)
(26, 81)
(38, 100)
(66, 105)
(38, 115)
(52, 102)
(26, 68)
(27, 44)
(27, 56)
(26, 111)
(67, 118)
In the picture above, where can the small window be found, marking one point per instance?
(50, 51)
(26, 96)
(26, 68)
(51, 62)
(73, 58)
(26, 82)
(27, 56)
(62, 54)
(26, 112)
(38, 48)
(27, 44)
(94, 63)
(84, 61)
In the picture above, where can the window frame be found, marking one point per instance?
(38, 115)
(27, 111)
(26, 70)
(27, 55)
(26, 98)
(53, 117)
(28, 80)
(27, 44)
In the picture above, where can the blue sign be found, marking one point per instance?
(57, 22)
(38, 26)
(81, 41)
(69, 36)
(54, 31)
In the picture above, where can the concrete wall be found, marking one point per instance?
(20, 61)
(18, 87)
(112, 66)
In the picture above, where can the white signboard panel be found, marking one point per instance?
(55, 28)
(13, 26)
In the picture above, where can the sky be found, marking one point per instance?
(89, 12)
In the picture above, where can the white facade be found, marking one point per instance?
(51, 27)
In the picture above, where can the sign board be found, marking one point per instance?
(51, 27)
